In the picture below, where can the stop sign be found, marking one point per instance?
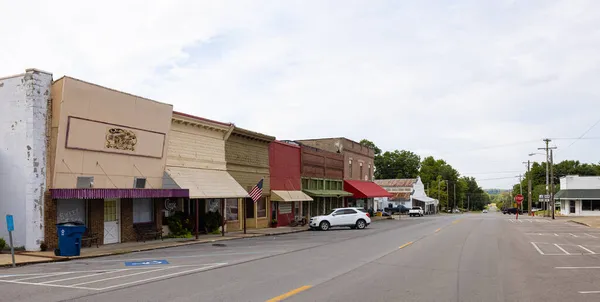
(519, 198)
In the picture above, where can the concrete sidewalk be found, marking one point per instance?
(23, 258)
(592, 222)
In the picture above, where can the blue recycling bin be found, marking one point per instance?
(69, 238)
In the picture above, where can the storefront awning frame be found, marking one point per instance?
(289, 196)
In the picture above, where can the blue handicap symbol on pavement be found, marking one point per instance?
(147, 262)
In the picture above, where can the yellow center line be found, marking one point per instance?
(290, 293)
(438, 230)
(456, 221)
(405, 245)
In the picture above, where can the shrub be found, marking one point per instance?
(213, 221)
(179, 225)
(2, 244)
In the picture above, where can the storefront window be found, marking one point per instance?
(261, 208)
(285, 207)
(71, 210)
(590, 205)
(142, 210)
(231, 208)
(213, 205)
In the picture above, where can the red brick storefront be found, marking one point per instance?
(286, 186)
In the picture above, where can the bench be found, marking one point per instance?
(88, 238)
(143, 231)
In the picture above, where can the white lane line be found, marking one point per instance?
(51, 285)
(588, 250)
(573, 235)
(555, 234)
(162, 276)
(42, 276)
(520, 221)
(125, 276)
(590, 235)
(84, 276)
(537, 248)
(560, 248)
(591, 292)
(511, 221)
(577, 267)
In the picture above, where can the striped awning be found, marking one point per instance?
(90, 193)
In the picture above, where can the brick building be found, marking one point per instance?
(106, 159)
(286, 186)
(196, 161)
(322, 179)
(358, 169)
(247, 160)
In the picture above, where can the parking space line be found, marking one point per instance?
(577, 267)
(590, 235)
(560, 248)
(555, 234)
(588, 250)
(573, 235)
(84, 276)
(590, 292)
(537, 248)
(190, 256)
(42, 276)
(164, 276)
(51, 285)
(125, 276)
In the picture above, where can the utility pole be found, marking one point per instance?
(439, 196)
(529, 200)
(468, 202)
(454, 194)
(552, 183)
(547, 141)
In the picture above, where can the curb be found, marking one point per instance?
(123, 252)
(579, 222)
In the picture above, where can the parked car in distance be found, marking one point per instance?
(399, 209)
(484, 211)
(355, 218)
(511, 211)
(415, 211)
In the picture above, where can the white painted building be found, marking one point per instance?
(24, 135)
(407, 192)
(579, 195)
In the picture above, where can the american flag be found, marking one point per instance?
(256, 192)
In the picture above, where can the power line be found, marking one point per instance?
(497, 178)
(586, 131)
(497, 172)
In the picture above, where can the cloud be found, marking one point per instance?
(437, 77)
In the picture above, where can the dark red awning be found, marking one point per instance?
(117, 193)
(365, 189)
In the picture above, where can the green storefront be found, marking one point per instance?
(327, 195)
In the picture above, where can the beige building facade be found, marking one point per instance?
(247, 160)
(196, 161)
(107, 156)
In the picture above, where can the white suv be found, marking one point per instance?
(355, 218)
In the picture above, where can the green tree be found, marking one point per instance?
(370, 144)
(397, 164)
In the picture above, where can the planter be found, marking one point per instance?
(273, 224)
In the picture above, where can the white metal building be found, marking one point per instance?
(579, 195)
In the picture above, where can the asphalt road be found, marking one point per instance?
(469, 257)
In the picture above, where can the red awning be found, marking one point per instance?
(365, 189)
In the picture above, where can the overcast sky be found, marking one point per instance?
(444, 78)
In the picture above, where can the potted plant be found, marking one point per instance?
(274, 223)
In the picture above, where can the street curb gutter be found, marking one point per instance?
(579, 222)
(122, 252)
(176, 244)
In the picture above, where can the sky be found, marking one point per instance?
(476, 83)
